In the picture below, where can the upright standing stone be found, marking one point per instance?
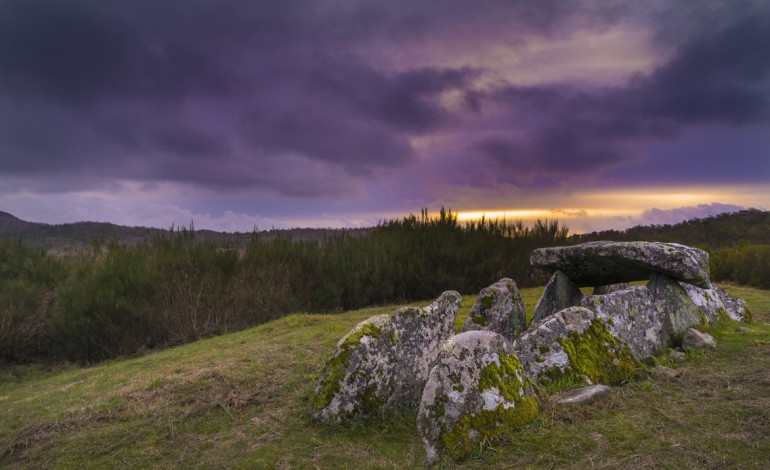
(421, 332)
(499, 308)
(576, 346)
(363, 363)
(476, 390)
(382, 364)
(559, 293)
(604, 262)
(631, 315)
(676, 307)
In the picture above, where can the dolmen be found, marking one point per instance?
(491, 377)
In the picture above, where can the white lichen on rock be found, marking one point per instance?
(476, 390)
(574, 345)
(499, 308)
(631, 315)
(716, 304)
(736, 308)
(382, 364)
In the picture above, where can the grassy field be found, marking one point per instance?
(239, 401)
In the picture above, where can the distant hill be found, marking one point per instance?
(12, 224)
(63, 239)
(720, 231)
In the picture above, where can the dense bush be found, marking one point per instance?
(745, 264)
(27, 280)
(107, 307)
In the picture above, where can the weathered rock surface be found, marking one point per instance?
(604, 262)
(559, 293)
(736, 308)
(695, 340)
(631, 316)
(707, 301)
(383, 363)
(585, 395)
(499, 308)
(574, 345)
(476, 389)
(677, 356)
(665, 372)
(676, 308)
(716, 304)
(602, 290)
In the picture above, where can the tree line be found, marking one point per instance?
(120, 300)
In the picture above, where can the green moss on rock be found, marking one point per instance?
(599, 355)
(334, 371)
(504, 377)
(487, 301)
(474, 429)
(519, 410)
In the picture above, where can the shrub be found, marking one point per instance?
(105, 308)
(27, 279)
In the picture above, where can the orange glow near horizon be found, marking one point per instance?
(512, 214)
(618, 207)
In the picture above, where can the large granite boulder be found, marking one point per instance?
(574, 345)
(736, 308)
(707, 301)
(382, 364)
(476, 390)
(716, 304)
(420, 332)
(559, 293)
(605, 262)
(499, 308)
(632, 316)
(674, 304)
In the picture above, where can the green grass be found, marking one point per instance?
(239, 400)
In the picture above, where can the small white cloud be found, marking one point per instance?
(656, 216)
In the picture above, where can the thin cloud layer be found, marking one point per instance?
(352, 101)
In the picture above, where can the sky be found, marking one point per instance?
(243, 114)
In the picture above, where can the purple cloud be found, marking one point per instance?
(673, 216)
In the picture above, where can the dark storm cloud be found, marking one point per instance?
(77, 53)
(273, 94)
(95, 86)
(721, 77)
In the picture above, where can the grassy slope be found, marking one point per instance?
(239, 400)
